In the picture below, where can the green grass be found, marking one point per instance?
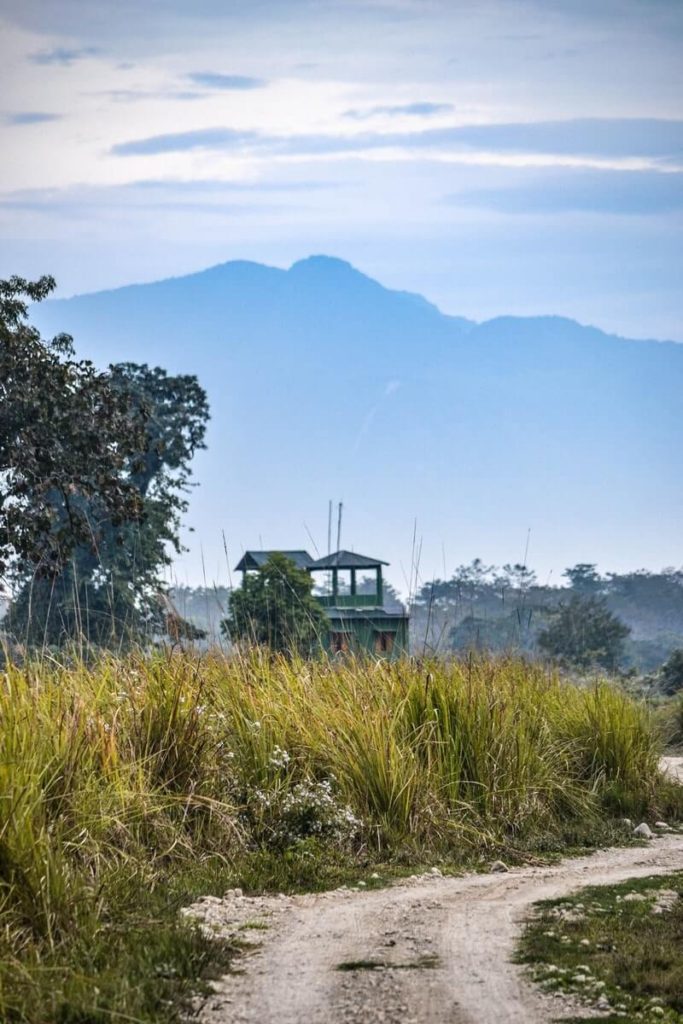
(130, 786)
(609, 939)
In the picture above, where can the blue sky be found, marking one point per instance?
(504, 156)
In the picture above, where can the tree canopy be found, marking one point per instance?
(275, 607)
(95, 467)
(66, 436)
(584, 633)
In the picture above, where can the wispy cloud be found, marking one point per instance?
(182, 186)
(141, 95)
(31, 117)
(166, 194)
(178, 142)
(634, 193)
(215, 80)
(400, 110)
(64, 55)
(605, 139)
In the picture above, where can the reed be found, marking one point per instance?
(128, 785)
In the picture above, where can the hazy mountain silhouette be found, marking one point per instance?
(322, 381)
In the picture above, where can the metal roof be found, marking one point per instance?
(255, 559)
(340, 615)
(347, 560)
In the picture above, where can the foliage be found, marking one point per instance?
(135, 784)
(484, 607)
(107, 593)
(584, 633)
(671, 675)
(66, 435)
(275, 607)
(618, 944)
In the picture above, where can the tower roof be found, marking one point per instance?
(346, 560)
(255, 559)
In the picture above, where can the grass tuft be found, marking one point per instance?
(129, 786)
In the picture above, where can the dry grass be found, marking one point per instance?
(129, 785)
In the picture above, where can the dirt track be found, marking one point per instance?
(446, 945)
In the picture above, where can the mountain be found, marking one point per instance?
(323, 383)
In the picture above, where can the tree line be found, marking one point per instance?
(613, 620)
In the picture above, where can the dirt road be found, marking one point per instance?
(443, 946)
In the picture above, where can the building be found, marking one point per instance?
(358, 619)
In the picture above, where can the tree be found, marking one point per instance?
(584, 578)
(110, 590)
(584, 633)
(275, 607)
(671, 674)
(66, 434)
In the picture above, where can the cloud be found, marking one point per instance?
(31, 117)
(179, 142)
(64, 55)
(139, 95)
(213, 80)
(181, 186)
(635, 193)
(400, 110)
(166, 194)
(618, 138)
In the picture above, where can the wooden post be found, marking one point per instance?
(353, 582)
(335, 585)
(380, 588)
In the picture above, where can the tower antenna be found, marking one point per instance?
(329, 527)
(339, 524)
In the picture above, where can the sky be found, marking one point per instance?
(498, 156)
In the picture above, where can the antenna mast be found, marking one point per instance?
(329, 527)
(339, 524)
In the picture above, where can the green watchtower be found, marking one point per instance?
(351, 591)
(359, 620)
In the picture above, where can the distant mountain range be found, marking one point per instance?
(323, 383)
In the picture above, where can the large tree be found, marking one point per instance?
(584, 633)
(275, 607)
(110, 590)
(66, 435)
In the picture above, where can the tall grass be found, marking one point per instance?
(129, 784)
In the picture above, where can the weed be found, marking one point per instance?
(615, 947)
(130, 786)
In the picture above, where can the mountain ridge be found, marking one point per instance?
(323, 382)
(337, 264)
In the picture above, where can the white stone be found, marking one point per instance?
(643, 831)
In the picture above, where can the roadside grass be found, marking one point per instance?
(615, 948)
(131, 786)
(668, 717)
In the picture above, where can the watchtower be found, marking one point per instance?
(358, 616)
(359, 620)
